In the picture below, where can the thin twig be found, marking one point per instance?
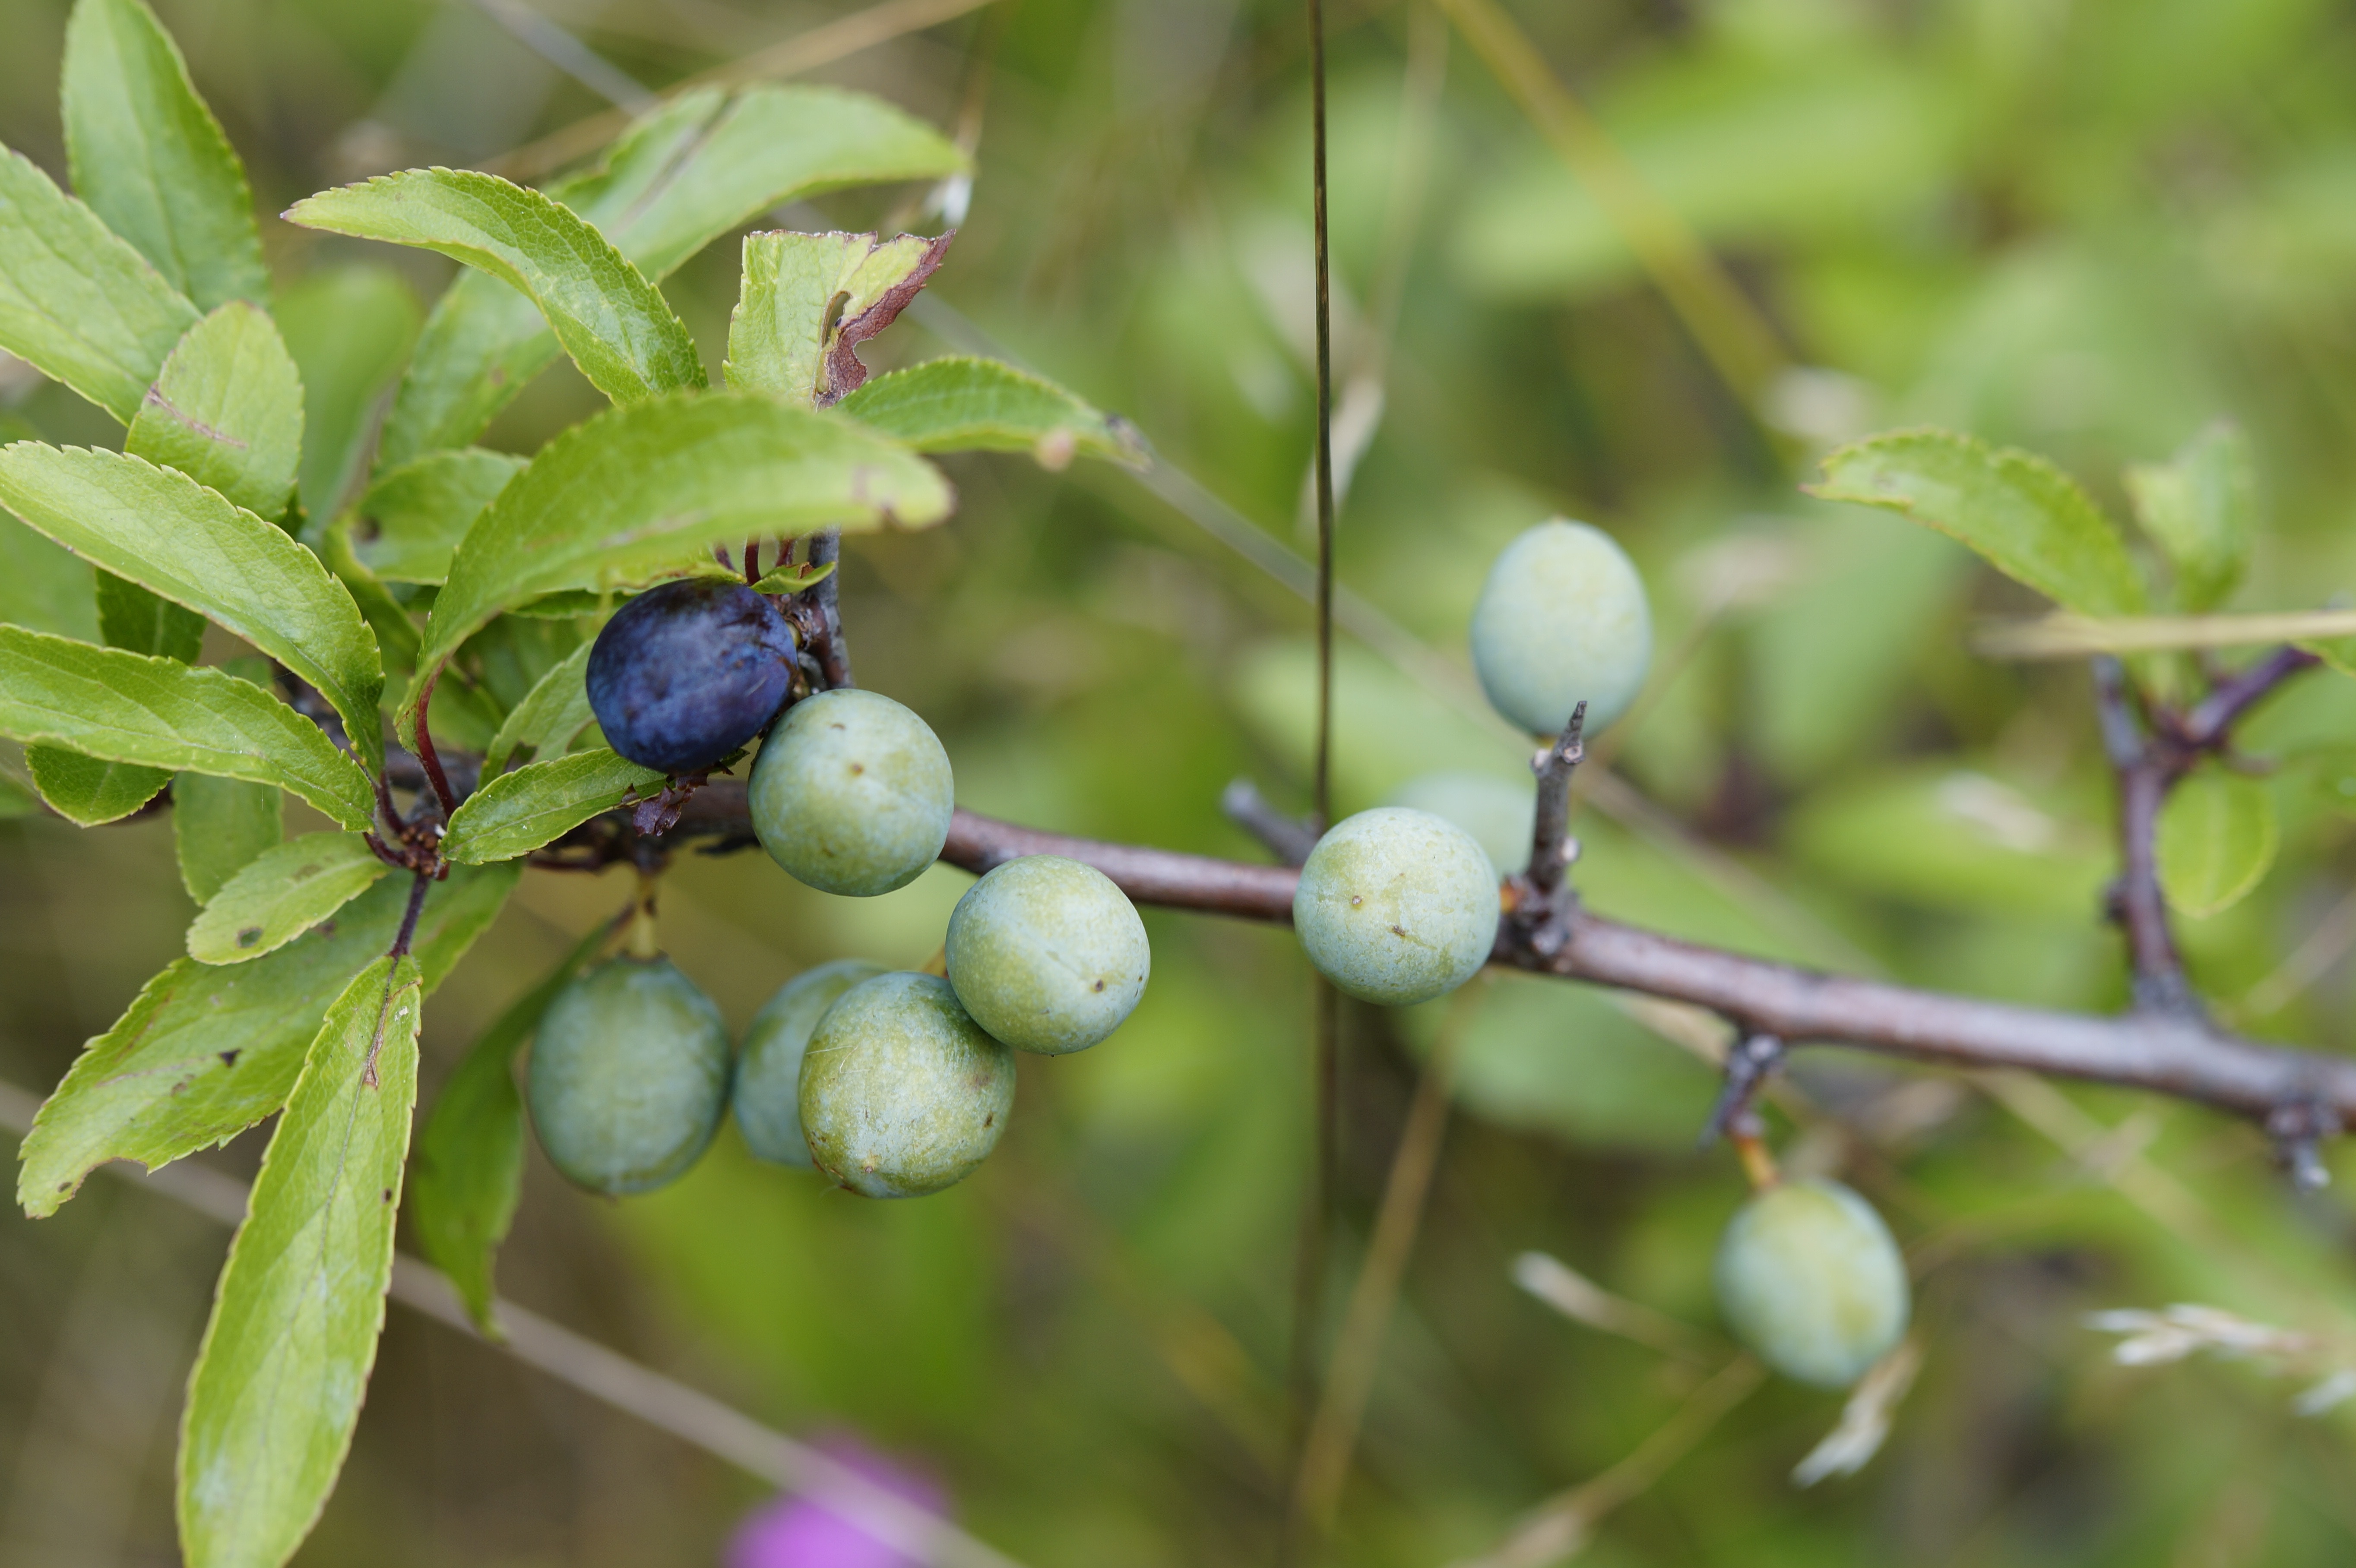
(687, 1413)
(1357, 1349)
(1287, 839)
(2147, 764)
(826, 595)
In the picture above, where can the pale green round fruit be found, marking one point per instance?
(1499, 813)
(1396, 906)
(767, 1095)
(1562, 618)
(852, 792)
(1047, 955)
(1809, 1277)
(628, 1075)
(902, 1093)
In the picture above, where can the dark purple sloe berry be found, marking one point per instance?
(688, 672)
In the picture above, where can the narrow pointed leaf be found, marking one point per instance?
(174, 537)
(150, 159)
(281, 894)
(87, 790)
(349, 330)
(130, 708)
(219, 826)
(2217, 835)
(76, 303)
(228, 412)
(609, 318)
(540, 803)
(2023, 516)
(550, 716)
(2200, 508)
(410, 519)
(965, 405)
(204, 1052)
(470, 1151)
(786, 315)
(686, 174)
(285, 1357)
(637, 492)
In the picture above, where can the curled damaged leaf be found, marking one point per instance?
(810, 300)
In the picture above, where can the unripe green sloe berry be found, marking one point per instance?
(1047, 955)
(852, 792)
(902, 1093)
(628, 1075)
(1808, 1277)
(1499, 813)
(1562, 618)
(1396, 906)
(767, 1094)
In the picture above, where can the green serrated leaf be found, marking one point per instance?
(410, 519)
(637, 492)
(174, 537)
(219, 826)
(2023, 516)
(686, 174)
(554, 712)
(387, 619)
(204, 1052)
(150, 159)
(281, 893)
(470, 1152)
(133, 707)
(285, 1357)
(77, 301)
(131, 618)
(2200, 508)
(803, 295)
(792, 579)
(610, 319)
(91, 791)
(2218, 835)
(228, 410)
(350, 329)
(983, 405)
(540, 803)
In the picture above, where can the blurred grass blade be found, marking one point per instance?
(349, 330)
(2218, 835)
(2019, 513)
(608, 316)
(681, 177)
(984, 405)
(204, 1052)
(150, 159)
(787, 319)
(550, 716)
(76, 303)
(281, 893)
(641, 491)
(470, 1151)
(405, 526)
(228, 412)
(539, 803)
(2200, 507)
(286, 1356)
(128, 707)
(174, 537)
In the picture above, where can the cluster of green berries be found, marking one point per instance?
(894, 1085)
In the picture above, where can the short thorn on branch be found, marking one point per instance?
(1749, 1061)
(1541, 898)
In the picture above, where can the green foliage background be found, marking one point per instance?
(2088, 230)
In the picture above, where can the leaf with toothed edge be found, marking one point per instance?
(540, 803)
(410, 520)
(286, 1355)
(640, 492)
(227, 411)
(170, 535)
(982, 405)
(204, 1052)
(809, 300)
(552, 712)
(608, 316)
(281, 893)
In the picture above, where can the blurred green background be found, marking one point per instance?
(2088, 229)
